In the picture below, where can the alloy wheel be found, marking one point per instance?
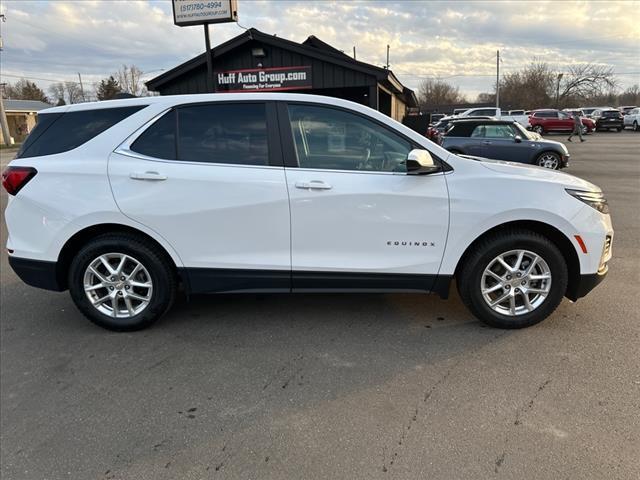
(516, 282)
(548, 160)
(118, 285)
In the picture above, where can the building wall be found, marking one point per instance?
(20, 125)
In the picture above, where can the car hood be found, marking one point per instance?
(535, 173)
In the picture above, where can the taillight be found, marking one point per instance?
(14, 178)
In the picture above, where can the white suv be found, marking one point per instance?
(126, 202)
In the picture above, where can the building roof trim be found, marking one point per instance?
(312, 47)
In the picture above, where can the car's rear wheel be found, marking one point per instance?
(549, 160)
(619, 129)
(635, 126)
(538, 129)
(584, 130)
(121, 283)
(513, 279)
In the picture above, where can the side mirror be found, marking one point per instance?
(420, 162)
(517, 139)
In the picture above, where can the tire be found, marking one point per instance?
(472, 277)
(147, 292)
(584, 130)
(538, 129)
(619, 129)
(635, 126)
(549, 160)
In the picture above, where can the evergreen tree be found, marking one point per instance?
(23, 89)
(108, 88)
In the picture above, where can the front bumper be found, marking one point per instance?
(584, 284)
(37, 273)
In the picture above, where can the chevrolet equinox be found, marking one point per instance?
(126, 202)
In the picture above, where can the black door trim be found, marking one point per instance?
(220, 280)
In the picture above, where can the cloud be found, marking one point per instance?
(55, 40)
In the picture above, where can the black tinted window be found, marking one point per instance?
(71, 129)
(159, 140)
(460, 130)
(226, 133)
(611, 113)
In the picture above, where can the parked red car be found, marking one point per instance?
(543, 121)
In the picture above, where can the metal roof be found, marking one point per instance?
(24, 105)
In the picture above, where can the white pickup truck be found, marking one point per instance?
(496, 113)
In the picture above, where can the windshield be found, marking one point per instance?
(524, 132)
(611, 113)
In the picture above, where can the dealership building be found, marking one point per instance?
(255, 61)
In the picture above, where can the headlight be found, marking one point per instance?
(593, 199)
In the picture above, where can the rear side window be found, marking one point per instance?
(72, 129)
(546, 114)
(61, 132)
(460, 130)
(226, 133)
(159, 140)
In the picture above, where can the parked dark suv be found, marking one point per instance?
(504, 140)
(608, 119)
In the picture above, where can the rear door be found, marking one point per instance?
(209, 179)
(358, 221)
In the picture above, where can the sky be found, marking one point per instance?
(48, 41)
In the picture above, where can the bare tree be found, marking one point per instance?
(631, 96)
(531, 87)
(129, 79)
(69, 92)
(434, 92)
(586, 81)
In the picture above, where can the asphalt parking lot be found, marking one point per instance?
(334, 386)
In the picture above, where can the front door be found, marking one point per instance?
(357, 219)
(499, 143)
(209, 179)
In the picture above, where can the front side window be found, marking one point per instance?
(563, 116)
(61, 132)
(494, 131)
(224, 133)
(333, 139)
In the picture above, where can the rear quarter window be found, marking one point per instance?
(61, 132)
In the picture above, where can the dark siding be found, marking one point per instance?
(325, 75)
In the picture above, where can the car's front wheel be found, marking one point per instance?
(513, 279)
(538, 129)
(121, 283)
(549, 160)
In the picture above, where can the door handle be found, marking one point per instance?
(314, 185)
(486, 142)
(154, 176)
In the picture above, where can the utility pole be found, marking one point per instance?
(560, 75)
(498, 79)
(81, 88)
(354, 52)
(6, 136)
(207, 43)
(387, 67)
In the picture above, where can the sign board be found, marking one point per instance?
(263, 79)
(199, 12)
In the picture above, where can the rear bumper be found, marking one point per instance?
(584, 284)
(37, 273)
